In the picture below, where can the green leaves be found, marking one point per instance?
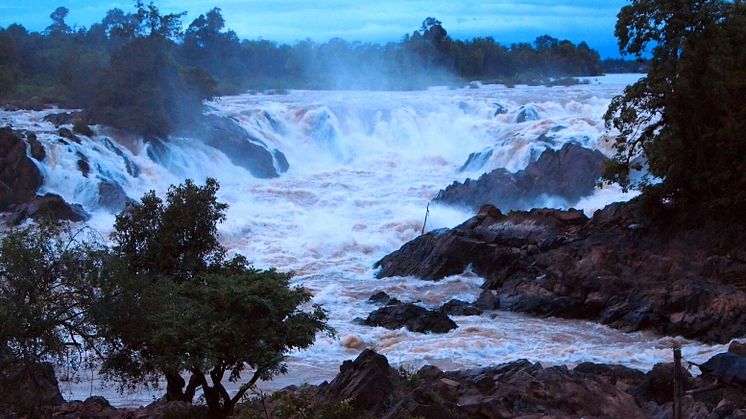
(687, 117)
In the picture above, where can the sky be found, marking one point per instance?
(287, 21)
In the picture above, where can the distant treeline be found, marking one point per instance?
(142, 71)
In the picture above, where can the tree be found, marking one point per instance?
(687, 117)
(58, 25)
(176, 304)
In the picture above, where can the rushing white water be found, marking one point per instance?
(363, 166)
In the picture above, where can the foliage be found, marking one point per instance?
(301, 404)
(175, 303)
(49, 278)
(139, 71)
(687, 118)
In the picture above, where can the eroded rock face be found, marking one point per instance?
(413, 317)
(369, 381)
(567, 174)
(677, 279)
(239, 146)
(47, 207)
(19, 176)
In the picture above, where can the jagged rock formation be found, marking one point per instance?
(616, 268)
(20, 180)
(568, 174)
(413, 317)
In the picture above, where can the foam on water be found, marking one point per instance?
(363, 166)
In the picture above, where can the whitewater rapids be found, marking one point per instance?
(363, 167)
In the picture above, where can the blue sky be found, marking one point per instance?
(369, 21)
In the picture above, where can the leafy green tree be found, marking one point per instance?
(176, 305)
(48, 278)
(687, 117)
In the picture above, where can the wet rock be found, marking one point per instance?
(459, 308)
(500, 109)
(37, 149)
(64, 118)
(728, 367)
(673, 278)
(413, 317)
(368, 381)
(658, 383)
(66, 133)
(566, 175)
(527, 113)
(476, 161)
(382, 298)
(737, 348)
(19, 176)
(487, 300)
(238, 145)
(522, 389)
(83, 165)
(48, 207)
(111, 196)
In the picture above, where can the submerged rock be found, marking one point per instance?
(567, 174)
(413, 317)
(459, 308)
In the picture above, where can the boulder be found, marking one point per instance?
(737, 348)
(111, 196)
(413, 317)
(37, 149)
(459, 308)
(243, 149)
(368, 381)
(567, 175)
(527, 113)
(64, 118)
(48, 207)
(382, 298)
(728, 367)
(20, 178)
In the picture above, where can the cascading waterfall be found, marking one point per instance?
(362, 168)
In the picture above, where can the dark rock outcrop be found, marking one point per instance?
(369, 381)
(47, 207)
(65, 118)
(568, 174)
(674, 278)
(382, 298)
(413, 317)
(37, 149)
(111, 196)
(239, 146)
(728, 367)
(459, 308)
(19, 176)
(527, 113)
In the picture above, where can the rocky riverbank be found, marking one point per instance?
(370, 387)
(616, 268)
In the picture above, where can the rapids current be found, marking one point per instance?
(363, 166)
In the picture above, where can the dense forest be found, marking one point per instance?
(144, 63)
